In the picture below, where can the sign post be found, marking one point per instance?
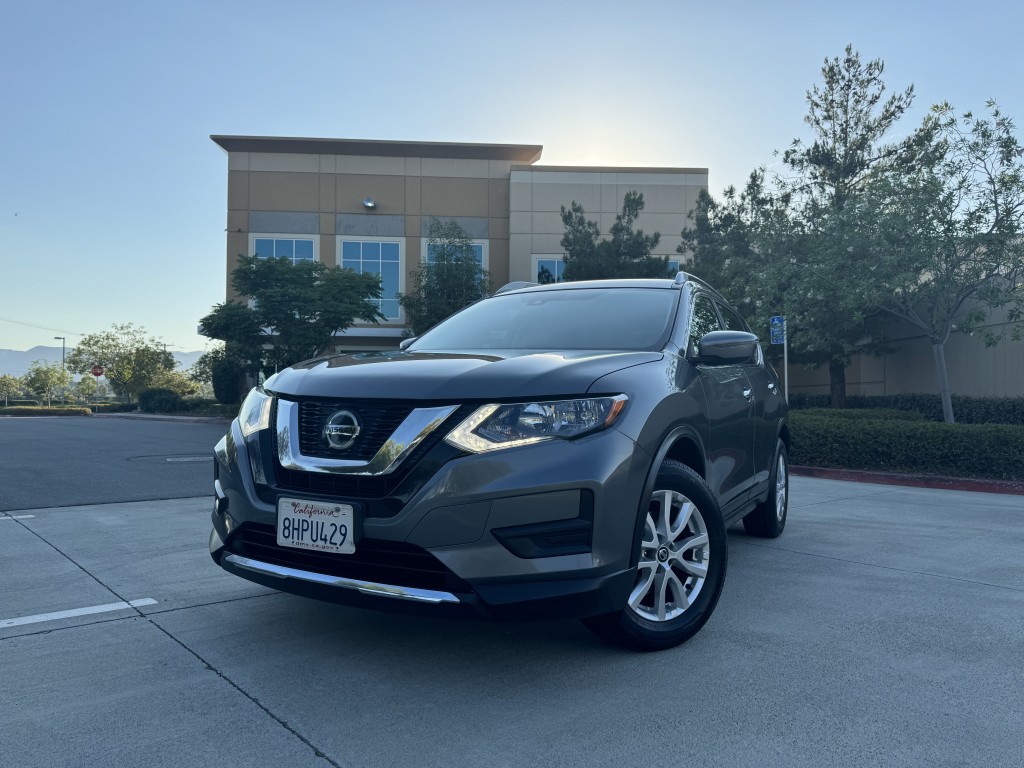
(97, 371)
(777, 326)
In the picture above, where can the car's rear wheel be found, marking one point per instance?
(769, 517)
(681, 567)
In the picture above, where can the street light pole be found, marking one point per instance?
(63, 342)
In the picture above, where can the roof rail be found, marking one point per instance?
(515, 286)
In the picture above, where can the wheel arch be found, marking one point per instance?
(785, 436)
(681, 444)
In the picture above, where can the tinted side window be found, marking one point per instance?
(732, 321)
(704, 320)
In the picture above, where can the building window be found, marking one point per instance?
(673, 267)
(376, 257)
(548, 269)
(295, 248)
(479, 251)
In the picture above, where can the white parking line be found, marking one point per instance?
(190, 458)
(5, 623)
(17, 517)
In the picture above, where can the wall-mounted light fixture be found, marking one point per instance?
(369, 204)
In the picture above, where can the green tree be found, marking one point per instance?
(222, 372)
(9, 386)
(238, 358)
(202, 369)
(784, 246)
(178, 382)
(450, 280)
(950, 232)
(130, 359)
(295, 310)
(625, 253)
(47, 380)
(745, 245)
(849, 116)
(86, 387)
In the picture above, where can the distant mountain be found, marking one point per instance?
(16, 362)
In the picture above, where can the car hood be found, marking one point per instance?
(452, 377)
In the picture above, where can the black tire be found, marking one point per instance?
(768, 519)
(669, 561)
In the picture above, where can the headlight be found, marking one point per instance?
(496, 426)
(254, 414)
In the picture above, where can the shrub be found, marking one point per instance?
(228, 380)
(864, 413)
(923, 447)
(966, 410)
(210, 408)
(12, 402)
(113, 407)
(160, 400)
(57, 410)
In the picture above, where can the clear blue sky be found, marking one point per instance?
(113, 197)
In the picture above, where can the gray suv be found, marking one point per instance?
(567, 450)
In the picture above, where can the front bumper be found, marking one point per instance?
(539, 531)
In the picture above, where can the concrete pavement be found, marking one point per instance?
(883, 627)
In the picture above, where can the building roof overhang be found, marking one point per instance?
(517, 153)
(606, 169)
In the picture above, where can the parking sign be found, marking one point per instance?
(777, 326)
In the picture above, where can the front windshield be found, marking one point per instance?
(631, 319)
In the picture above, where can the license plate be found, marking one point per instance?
(324, 527)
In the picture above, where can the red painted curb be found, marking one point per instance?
(1014, 487)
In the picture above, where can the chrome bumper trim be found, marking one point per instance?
(366, 587)
(409, 434)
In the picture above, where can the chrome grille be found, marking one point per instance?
(378, 420)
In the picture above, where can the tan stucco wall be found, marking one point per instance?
(908, 366)
(414, 188)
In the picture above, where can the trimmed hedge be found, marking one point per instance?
(114, 407)
(864, 413)
(31, 410)
(966, 410)
(994, 451)
(210, 408)
(160, 400)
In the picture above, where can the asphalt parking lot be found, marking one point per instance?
(885, 627)
(70, 461)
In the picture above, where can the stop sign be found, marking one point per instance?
(97, 371)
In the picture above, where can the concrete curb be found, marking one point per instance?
(1014, 487)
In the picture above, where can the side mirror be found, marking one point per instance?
(404, 343)
(724, 347)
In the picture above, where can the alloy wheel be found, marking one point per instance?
(781, 486)
(674, 557)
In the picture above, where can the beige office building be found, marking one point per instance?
(367, 205)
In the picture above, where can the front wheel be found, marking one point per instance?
(681, 568)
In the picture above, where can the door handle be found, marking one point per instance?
(749, 394)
